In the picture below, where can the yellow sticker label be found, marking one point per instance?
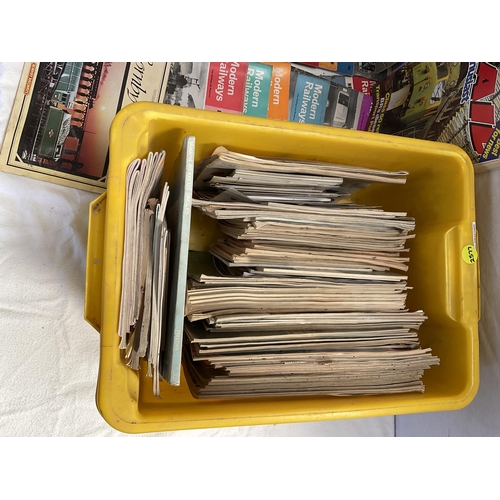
(469, 254)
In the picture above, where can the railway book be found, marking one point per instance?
(59, 125)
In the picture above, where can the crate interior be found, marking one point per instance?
(437, 194)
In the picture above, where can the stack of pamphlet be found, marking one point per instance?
(306, 293)
(145, 263)
(155, 247)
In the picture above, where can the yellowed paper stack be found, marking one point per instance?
(306, 294)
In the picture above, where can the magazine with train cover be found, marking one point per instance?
(452, 102)
(277, 90)
(59, 126)
(315, 97)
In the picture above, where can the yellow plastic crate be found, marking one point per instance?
(439, 193)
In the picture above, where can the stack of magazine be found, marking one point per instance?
(145, 263)
(306, 293)
(154, 267)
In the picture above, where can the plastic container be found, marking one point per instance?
(439, 193)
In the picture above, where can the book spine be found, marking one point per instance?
(226, 86)
(257, 89)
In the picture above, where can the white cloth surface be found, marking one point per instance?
(49, 353)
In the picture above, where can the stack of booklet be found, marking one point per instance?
(154, 268)
(145, 264)
(306, 294)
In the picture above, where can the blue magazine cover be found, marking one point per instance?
(309, 99)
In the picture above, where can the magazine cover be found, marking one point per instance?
(358, 83)
(309, 98)
(225, 87)
(187, 83)
(321, 100)
(453, 102)
(257, 89)
(59, 127)
(342, 68)
(280, 91)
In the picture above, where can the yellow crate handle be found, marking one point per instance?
(478, 280)
(95, 253)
